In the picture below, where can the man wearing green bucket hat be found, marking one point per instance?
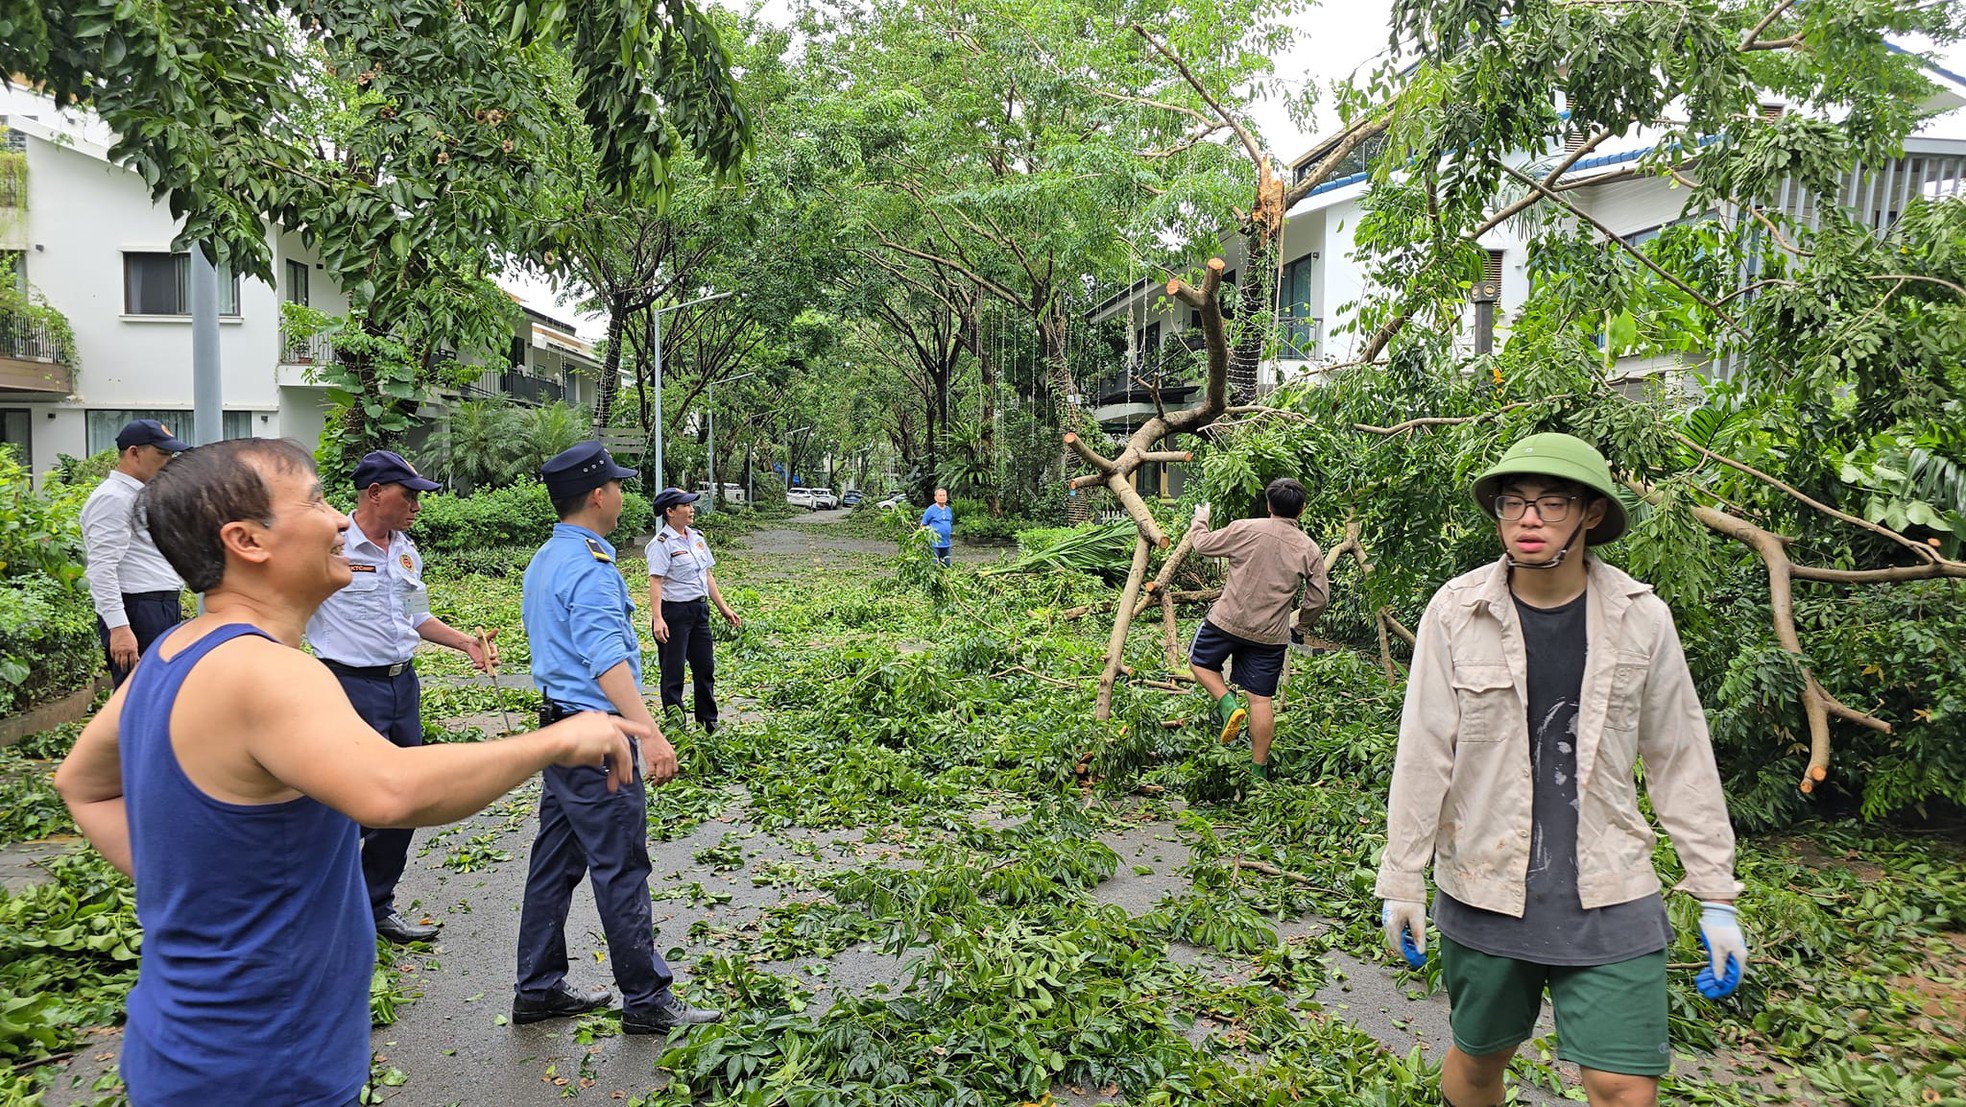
(1537, 683)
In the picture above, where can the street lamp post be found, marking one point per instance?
(710, 434)
(657, 338)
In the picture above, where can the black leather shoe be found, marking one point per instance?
(668, 1013)
(567, 1002)
(395, 928)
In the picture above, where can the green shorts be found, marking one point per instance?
(1611, 1018)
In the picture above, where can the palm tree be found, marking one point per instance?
(545, 431)
(473, 447)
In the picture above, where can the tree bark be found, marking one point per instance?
(610, 381)
(1116, 644)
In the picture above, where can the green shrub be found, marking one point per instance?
(47, 625)
(516, 515)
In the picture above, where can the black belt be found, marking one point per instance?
(171, 594)
(681, 603)
(372, 672)
(551, 712)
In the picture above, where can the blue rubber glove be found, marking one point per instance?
(1405, 923)
(1727, 950)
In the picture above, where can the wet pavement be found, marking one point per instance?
(453, 1043)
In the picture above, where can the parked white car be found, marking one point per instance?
(824, 499)
(802, 497)
(898, 499)
(733, 493)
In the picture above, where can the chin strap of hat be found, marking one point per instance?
(1562, 552)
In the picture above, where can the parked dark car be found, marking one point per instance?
(850, 498)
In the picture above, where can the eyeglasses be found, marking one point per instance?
(1550, 509)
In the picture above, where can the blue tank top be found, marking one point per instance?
(258, 942)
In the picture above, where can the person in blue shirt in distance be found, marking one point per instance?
(938, 518)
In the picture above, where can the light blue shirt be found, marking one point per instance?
(941, 520)
(373, 619)
(683, 562)
(579, 618)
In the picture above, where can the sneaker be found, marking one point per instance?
(668, 1012)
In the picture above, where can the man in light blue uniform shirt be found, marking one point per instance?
(586, 656)
(366, 635)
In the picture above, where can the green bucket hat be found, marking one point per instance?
(1565, 457)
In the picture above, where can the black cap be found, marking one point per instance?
(389, 467)
(670, 497)
(149, 432)
(581, 468)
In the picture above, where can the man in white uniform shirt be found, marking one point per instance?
(366, 634)
(136, 592)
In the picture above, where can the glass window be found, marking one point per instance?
(103, 423)
(1294, 294)
(296, 289)
(160, 284)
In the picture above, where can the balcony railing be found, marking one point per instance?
(26, 339)
(312, 350)
(530, 389)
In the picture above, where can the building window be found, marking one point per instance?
(103, 423)
(1294, 295)
(296, 290)
(160, 284)
(1149, 345)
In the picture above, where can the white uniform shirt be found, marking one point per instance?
(683, 562)
(121, 557)
(373, 620)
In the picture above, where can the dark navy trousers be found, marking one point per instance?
(151, 614)
(392, 705)
(689, 643)
(584, 830)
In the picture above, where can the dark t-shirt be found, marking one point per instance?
(1555, 929)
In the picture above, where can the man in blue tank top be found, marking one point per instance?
(586, 656)
(228, 777)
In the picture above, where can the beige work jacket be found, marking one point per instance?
(1461, 793)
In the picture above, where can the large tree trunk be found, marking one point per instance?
(610, 381)
(1262, 238)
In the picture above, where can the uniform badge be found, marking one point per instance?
(599, 551)
(358, 567)
(408, 563)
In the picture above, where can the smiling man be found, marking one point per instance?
(228, 777)
(367, 633)
(1537, 684)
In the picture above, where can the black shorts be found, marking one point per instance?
(1258, 666)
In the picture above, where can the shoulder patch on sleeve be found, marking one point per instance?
(600, 552)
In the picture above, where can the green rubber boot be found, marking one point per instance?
(1262, 769)
(1231, 716)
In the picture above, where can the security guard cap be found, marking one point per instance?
(580, 468)
(1565, 457)
(389, 467)
(673, 497)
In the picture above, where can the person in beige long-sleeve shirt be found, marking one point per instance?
(1274, 567)
(1538, 683)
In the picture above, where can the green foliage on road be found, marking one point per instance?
(948, 807)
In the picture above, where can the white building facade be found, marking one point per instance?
(84, 237)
